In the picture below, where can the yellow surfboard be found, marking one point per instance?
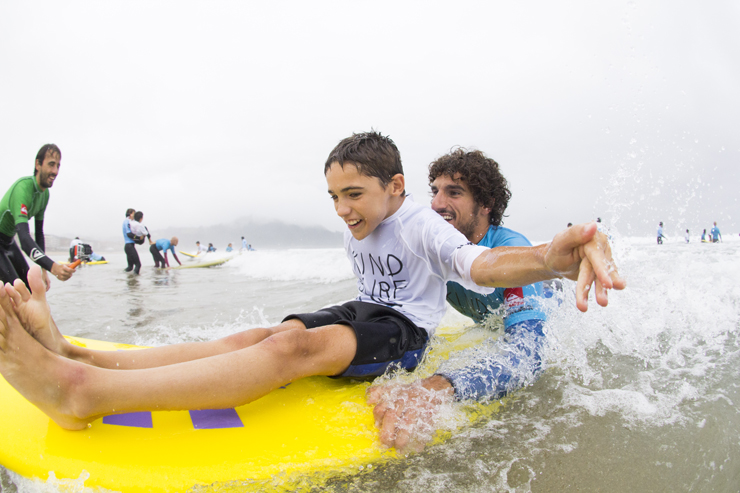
(94, 262)
(316, 426)
(205, 263)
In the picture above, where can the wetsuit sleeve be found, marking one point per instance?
(32, 249)
(498, 368)
(174, 255)
(39, 230)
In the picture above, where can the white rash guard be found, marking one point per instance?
(406, 262)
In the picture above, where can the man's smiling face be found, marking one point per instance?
(452, 200)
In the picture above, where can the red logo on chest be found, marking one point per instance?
(24, 210)
(513, 297)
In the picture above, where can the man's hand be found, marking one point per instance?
(61, 272)
(582, 254)
(406, 414)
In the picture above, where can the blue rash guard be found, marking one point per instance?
(500, 366)
(164, 244)
(128, 236)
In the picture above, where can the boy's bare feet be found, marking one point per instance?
(34, 313)
(44, 378)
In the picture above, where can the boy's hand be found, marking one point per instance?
(583, 254)
(406, 415)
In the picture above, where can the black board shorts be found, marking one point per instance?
(385, 337)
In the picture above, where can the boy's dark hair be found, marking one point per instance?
(41, 155)
(373, 154)
(138, 216)
(482, 175)
(129, 211)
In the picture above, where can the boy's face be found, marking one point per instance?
(362, 201)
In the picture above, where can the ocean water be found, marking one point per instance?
(639, 396)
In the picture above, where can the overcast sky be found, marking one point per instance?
(201, 113)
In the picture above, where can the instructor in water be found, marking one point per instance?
(470, 192)
(25, 199)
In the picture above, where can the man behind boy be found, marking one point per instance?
(470, 193)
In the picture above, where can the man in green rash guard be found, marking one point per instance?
(25, 199)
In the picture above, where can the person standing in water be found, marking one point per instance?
(716, 235)
(129, 245)
(660, 233)
(27, 198)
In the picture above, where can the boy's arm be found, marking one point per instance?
(579, 253)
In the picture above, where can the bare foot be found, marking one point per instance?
(44, 378)
(34, 313)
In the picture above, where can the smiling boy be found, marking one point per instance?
(402, 255)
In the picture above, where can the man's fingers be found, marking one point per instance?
(575, 236)
(585, 279)
(406, 428)
(379, 413)
(618, 281)
(373, 395)
(602, 296)
(388, 428)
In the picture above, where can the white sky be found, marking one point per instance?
(204, 112)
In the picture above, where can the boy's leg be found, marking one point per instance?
(35, 316)
(73, 394)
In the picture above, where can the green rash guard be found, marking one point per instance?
(22, 201)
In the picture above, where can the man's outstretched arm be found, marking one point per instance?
(579, 253)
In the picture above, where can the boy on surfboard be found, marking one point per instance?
(402, 255)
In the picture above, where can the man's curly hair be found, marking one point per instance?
(482, 175)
